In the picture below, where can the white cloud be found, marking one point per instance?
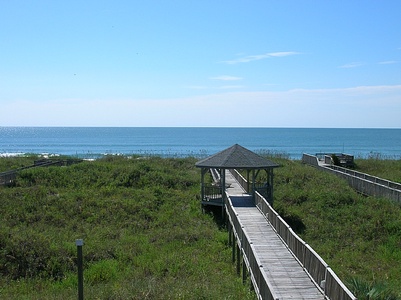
(362, 106)
(213, 88)
(388, 62)
(197, 87)
(351, 65)
(250, 58)
(282, 54)
(227, 87)
(226, 78)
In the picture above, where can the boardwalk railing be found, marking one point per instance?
(374, 179)
(317, 268)
(262, 286)
(363, 183)
(319, 271)
(241, 180)
(8, 177)
(310, 160)
(215, 174)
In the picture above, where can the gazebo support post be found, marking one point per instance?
(203, 172)
(253, 184)
(223, 190)
(247, 180)
(254, 193)
(236, 157)
(270, 192)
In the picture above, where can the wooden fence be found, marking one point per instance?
(363, 183)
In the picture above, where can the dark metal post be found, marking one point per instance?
(79, 244)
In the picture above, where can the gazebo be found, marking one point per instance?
(234, 158)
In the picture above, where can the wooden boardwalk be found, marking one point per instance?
(282, 270)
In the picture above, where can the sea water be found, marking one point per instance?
(93, 142)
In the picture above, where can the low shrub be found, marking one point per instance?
(144, 233)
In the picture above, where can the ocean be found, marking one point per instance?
(94, 142)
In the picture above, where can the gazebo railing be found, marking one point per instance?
(212, 195)
(211, 191)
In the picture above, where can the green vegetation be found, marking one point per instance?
(145, 236)
(387, 169)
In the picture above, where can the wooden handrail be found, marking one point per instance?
(317, 268)
(263, 287)
(363, 183)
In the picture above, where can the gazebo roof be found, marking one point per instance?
(236, 157)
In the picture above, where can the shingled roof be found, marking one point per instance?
(236, 157)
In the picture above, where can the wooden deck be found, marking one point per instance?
(285, 274)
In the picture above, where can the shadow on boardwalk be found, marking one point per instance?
(242, 201)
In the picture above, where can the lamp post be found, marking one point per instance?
(79, 244)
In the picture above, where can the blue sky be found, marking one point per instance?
(200, 63)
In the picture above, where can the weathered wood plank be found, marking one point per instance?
(282, 269)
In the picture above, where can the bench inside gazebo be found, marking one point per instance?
(235, 159)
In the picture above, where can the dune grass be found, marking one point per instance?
(387, 169)
(145, 236)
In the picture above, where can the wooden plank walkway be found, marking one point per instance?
(282, 269)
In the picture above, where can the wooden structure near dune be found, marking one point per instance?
(280, 265)
(240, 158)
(363, 183)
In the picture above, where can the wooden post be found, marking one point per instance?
(203, 172)
(225, 213)
(233, 246)
(253, 184)
(223, 190)
(244, 271)
(270, 192)
(238, 260)
(247, 181)
(229, 228)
